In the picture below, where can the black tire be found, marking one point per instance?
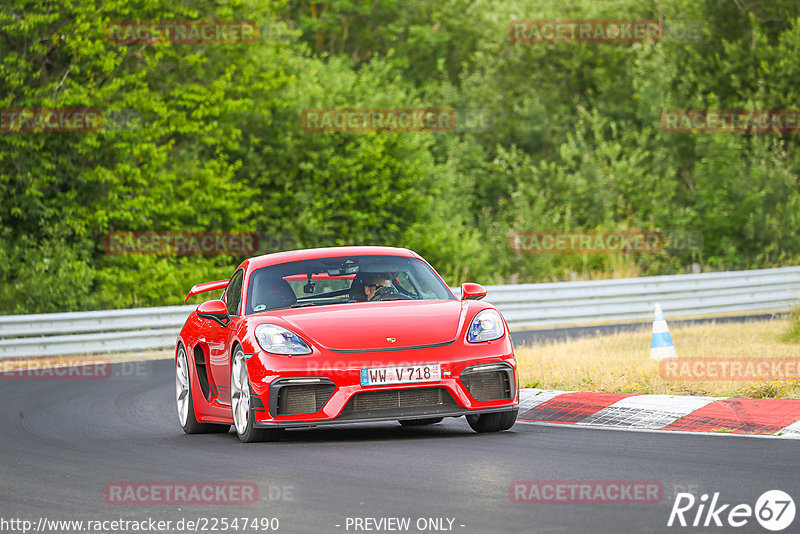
(256, 435)
(192, 426)
(244, 428)
(421, 422)
(493, 422)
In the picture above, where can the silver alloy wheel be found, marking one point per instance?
(182, 391)
(240, 392)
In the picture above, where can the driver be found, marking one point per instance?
(377, 285)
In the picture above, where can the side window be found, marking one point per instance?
(233, 295)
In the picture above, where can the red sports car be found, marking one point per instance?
(342, 335)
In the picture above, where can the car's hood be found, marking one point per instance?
(379, 325)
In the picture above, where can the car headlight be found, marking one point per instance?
(486, 326)
(278, 340)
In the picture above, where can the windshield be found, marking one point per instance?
(343, 279)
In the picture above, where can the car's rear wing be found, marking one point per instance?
(206, 286)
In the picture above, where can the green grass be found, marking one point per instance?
(793, 334)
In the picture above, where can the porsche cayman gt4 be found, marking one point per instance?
(342, 335)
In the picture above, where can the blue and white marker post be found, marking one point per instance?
(661, 348)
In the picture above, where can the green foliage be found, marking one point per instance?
(550, 136)
(45, 275)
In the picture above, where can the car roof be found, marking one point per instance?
(326, 252)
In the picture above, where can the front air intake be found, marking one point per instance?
(373, 402)
(302, 399)
(489, 385)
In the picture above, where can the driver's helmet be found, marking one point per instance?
(357, 288)
(362, 279)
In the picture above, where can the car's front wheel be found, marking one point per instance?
(183, 398)
(493, 422)
(241, 407)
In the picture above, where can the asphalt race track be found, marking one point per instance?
(65, 440)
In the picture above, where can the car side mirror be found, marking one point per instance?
(470, 291)
(216, 310)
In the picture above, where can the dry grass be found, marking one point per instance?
(621, 362)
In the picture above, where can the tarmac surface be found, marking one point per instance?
(67, 441)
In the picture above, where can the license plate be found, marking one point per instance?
(401, 374)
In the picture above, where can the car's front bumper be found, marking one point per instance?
(344, 420)
(333, 394)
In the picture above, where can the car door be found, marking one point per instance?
(219, 339)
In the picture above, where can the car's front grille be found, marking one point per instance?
(488, 385)
(398, 399)
(296, 400)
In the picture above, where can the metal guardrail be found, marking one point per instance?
(523, 305)
(569, 303)
(56, 334)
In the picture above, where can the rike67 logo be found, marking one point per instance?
(774, 510)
